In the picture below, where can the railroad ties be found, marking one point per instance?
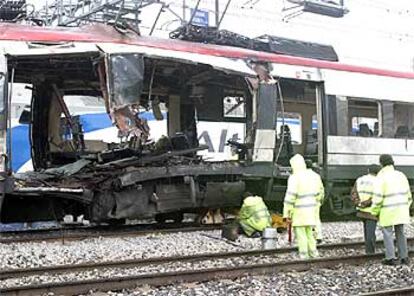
(160, 271)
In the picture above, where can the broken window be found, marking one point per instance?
(126, 82)
(294, 123)
(234, 107)
(403, 120)
(126, 79)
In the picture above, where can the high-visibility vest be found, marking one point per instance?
(365, 189)
(392, 197)
(254, 215)
(304, 195)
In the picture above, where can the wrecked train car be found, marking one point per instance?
(340, 117)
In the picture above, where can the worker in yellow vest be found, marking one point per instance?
(362, 195)
(254, 216)
(391, 202)
(303, 198)
(317, 230)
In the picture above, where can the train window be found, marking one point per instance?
(314, 122)
(234, 107)
(363, 118)
(403, 120)
(294, 123)
(332, 115)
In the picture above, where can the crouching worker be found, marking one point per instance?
(301, 205)
(254, 216)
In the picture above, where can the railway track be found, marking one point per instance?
(71, 234)
(154, 277)
(392, 292)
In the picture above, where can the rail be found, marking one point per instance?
(390, 292)
(165, 278)
(93, 232)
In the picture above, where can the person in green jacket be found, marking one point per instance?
(391, 202)
(317, 230)
(302, 201)
(254, 216)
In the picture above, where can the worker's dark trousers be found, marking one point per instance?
(369, 235)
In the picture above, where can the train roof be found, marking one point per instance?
(99, 33)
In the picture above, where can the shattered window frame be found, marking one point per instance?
(234, 107)
(125, 78)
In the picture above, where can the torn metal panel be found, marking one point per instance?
(173, 197)
(228, 65)
(52, 173)
(49, 189)
(131, 204)
(150, 173)
(68, 169)
(129, 124)
(126, 79)
(220, 194)
(102, 206)
(18, 48)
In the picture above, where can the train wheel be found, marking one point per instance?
(175, 217)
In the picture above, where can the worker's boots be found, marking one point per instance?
(390, 262)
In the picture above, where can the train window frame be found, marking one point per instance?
(361, 118)
(298, 134)
(314, 122)
(238, 105)
(402, 130)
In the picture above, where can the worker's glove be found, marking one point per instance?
(365, 204)
(288, 221)
(355, 198)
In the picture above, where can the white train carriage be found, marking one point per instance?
(98, 159)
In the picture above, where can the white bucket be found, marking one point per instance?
(269, 239)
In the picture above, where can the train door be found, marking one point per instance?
(298, 121)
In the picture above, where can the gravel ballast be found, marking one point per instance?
(36, 254)
(343, 280)
(166, 267)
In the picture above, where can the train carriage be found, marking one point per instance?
(231, 119)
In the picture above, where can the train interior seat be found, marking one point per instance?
(286, 152)
(364, 130)
(311, 145)
(180, 142)
(376, 129)
(402, 132)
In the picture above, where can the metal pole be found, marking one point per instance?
(217, 13)
(184, 5)
(224, 13)
(9, 127)
(194, 12)
(156, 19)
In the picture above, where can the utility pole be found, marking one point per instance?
(217, 13)
(183, 12)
